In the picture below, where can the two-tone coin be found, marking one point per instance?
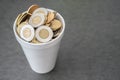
(20, 26)
(43, 11)
(37, 20)
(27, 32)
(44, 34)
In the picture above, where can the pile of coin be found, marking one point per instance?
(38, 25)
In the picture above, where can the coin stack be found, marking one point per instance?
(38, 25)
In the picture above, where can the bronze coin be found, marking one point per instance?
(32, 8)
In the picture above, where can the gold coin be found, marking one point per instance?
(32, 8)
(20, 26)
(55, 24)
(24, 17)
(17, 19)
(47, 24)
(34, 40)
(50, 17)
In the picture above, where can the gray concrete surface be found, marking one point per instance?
(90, 48)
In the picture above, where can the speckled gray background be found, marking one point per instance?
(90, 48)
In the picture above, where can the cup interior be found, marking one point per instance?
(61, 33)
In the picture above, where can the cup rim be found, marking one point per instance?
(46, 43)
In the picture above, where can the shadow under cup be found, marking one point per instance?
(42, 57)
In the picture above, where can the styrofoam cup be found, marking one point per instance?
(41, 57)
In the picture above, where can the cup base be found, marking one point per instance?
(43, 72)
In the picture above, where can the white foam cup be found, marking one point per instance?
(42, 57)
